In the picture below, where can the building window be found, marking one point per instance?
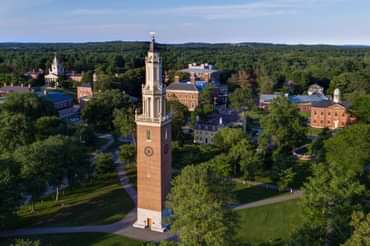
(328, 113)
(336, 114)
(148, 135)
(322, 113)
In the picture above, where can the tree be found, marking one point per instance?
(243, 99)
(361, 108)
(350, 148)
(179, 113)
(226, 138)
(200, 200)
(284, 127)
(331, 196)
(99, 111)
(85, 134)
(361, 230)
(10, 189)
(26, 242)
(123, 121)
(50, 126)
(127, 153)
(286, 178)
(244, 154)
(15, 131)
(48, 162)
(104, 163)
(28, 104)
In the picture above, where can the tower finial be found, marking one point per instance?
(152, 44)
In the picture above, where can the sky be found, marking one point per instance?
(180, 21)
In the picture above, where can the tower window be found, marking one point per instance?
(148, 135)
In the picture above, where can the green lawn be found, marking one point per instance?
(101, 202)
(268, 223)
(80, 239)
(247, 193)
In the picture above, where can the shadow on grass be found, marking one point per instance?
(103, 202)
(79, 239)
(245, 193)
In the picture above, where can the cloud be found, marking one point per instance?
(255, 8)
(246, 10)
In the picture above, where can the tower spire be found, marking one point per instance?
(152, 43)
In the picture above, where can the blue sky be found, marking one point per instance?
(175, 21)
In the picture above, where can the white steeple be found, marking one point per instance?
(154, 108)
(56, 67)
(336, 96)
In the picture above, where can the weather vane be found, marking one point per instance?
(152, 34)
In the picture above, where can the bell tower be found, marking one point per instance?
(153, 147)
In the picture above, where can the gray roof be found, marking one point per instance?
(295, 99)
(182, 86)
(328, 103)
(307, 99)
(212, 123)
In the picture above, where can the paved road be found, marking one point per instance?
(124, 227)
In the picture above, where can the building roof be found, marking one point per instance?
(86, 85)
(56, 97)
(268, 97)
(307, 99)
(296, 99)
(14, 89)
(179, 86)
(216, 120)
(328, 103)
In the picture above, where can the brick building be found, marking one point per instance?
(185, 93)
(331, 114)
(84, 90)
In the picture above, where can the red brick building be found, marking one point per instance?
(185, 93)
(84, 90)
(331, 114)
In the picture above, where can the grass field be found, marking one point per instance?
(80, 239)
(268, 223)
(247, 193)
(102, 202)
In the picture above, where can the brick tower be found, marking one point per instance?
(153, 148)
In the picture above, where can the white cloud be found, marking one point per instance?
(246, 10)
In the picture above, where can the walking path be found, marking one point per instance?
(124, 227)
(272, 200)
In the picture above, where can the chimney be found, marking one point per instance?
(177, 78)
